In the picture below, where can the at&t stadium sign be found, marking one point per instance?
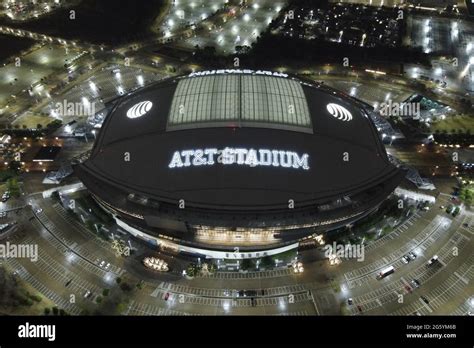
(239, 156)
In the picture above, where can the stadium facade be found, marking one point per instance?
(237, 163)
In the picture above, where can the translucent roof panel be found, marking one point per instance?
(246, 100)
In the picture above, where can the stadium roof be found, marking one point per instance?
(339, 154)
(247, 100)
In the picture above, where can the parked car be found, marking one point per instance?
(412, 255)
(5, 196)
(415, 283)
(433, 260)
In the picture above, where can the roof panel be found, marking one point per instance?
(252, 100)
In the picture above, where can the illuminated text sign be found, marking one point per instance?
(239, 156)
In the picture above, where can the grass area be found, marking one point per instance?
(285, 256)
(19, 297)
(452, 124)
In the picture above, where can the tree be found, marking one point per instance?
(105, 292)
(266, 262)
(121, 307)
(466, 195)
(125, 286)
(246, 264)
(193, 270)
(47, 311)
(211, 267)
(14, 166)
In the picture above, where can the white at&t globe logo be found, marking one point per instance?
(139, 109)
(339, 112)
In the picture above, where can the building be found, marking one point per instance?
(237, 163)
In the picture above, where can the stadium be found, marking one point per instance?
(237, 163)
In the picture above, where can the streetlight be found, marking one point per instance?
(469, 47)
(363, 40)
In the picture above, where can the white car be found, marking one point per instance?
(102, 264)
(433, 260)
(87, 294)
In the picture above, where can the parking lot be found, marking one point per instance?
(425, 238)
(33, 67)
(403, 286)
(239, 30)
